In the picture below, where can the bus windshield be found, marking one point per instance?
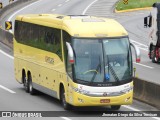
(102, 60)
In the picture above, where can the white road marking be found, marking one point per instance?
(85, 10)
(59, 5)
(6, 54)
(67, 0)
(134, 109)
(9, 19)
(143, 65)
(65, 118)
(140, 45)
(143, 49)
(157, 118)
(11, 91)
(131, 108)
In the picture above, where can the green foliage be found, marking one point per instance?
(134, 4)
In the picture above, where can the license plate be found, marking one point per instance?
(105, 101)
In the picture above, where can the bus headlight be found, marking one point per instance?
(127, 90)
(85, 92)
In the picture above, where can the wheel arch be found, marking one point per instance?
(23, 75)
(28, 73)
(61, 86)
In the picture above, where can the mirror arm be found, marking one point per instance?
(137, 52)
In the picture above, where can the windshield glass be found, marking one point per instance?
(102, 60)
(88, 60)
(117, 59)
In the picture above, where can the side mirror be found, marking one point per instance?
(70, 53)
(148, 21)
(138, 53)
(145, 21)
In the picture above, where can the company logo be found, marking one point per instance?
(49, 60)
(105, 94)
(6, 114)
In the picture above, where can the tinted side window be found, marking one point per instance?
(37, 36)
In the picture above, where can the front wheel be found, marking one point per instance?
(66, 106)
(115, 107)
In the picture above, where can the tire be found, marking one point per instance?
(65, 105)
(24, 79)
(115, 107)
(153, 55)
(154, 59)
(31, 89)
(26, 85)
(150, 52)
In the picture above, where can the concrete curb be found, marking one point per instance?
(147, 92)
(131, 10)
(6, 38)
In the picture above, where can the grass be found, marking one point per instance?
(134, 4)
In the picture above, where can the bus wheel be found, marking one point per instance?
(66, 106)
(24, 79)
(26, 85)
(31, 89)
(115, 107)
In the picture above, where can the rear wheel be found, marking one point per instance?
(23, 78)
(115, 107)
(26, 85)
(31, 89)
(66, 106)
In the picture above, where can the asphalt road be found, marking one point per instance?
(15, 99)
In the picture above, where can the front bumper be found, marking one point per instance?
(77, 99)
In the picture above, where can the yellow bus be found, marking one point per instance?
(80, 60)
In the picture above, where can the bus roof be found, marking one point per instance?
(78, 26)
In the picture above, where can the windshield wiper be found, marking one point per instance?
(98, 66)
(113, 72)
